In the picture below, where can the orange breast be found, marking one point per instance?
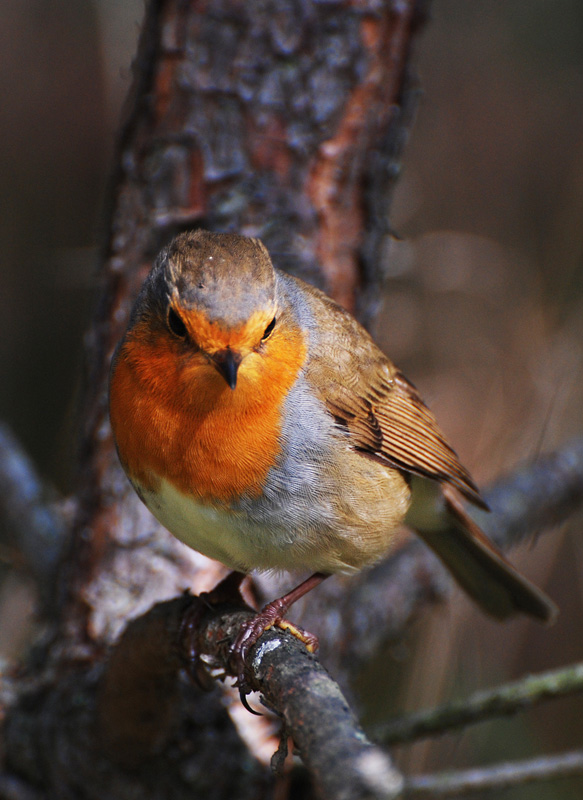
(173, 415)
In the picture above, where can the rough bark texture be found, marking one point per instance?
(278, 119)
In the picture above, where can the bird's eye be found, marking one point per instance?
(175, 324)
(268, 331)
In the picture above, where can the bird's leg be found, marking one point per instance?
(273, 614)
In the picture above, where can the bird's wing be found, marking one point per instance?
(376, 404)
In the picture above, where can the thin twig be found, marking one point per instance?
(500, 776)
(501, 701)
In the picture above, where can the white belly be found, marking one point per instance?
(215, 532)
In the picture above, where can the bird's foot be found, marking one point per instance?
(272, 615)
(250, 632)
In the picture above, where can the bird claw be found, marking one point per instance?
(244, 690)
(250, 633)
(272, 615)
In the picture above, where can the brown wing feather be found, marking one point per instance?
(380, 408)
(412, 439)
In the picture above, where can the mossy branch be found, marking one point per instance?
(502, 701)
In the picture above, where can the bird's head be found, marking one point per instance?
(213, 299)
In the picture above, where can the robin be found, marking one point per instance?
(260, 424)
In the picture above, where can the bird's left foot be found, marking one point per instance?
(269, 617)
(272, 615)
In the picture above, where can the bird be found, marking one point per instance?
(262, 426)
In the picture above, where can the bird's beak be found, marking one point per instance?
(227, 363)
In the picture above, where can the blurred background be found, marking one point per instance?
(483, 308)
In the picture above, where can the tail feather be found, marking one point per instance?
(481, 569)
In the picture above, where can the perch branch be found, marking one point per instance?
(550, 489)
(292, 682)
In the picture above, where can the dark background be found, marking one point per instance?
(483, 309)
